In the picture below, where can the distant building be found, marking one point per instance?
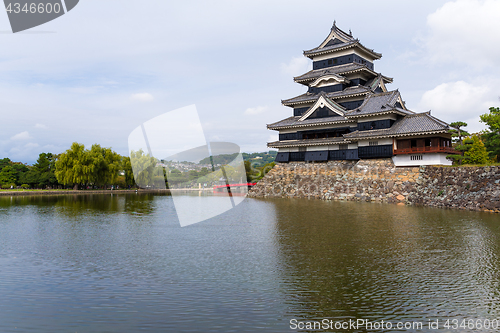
(347, 113)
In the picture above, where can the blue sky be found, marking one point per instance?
(98, 72)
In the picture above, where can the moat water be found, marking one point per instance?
(122, 263)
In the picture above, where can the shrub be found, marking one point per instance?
(25, 186)
(476, 154)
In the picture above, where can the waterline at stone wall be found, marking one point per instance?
(472, 188)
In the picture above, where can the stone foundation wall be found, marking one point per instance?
(367, 180)
(471, 188)
(379, 180)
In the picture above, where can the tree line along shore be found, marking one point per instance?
(101, 168)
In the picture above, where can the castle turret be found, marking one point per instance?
(347, 112)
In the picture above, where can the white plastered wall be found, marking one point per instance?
(381, 142)
(427, 159)
(288, 149)
(317, 148)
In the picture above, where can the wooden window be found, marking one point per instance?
(404, 144)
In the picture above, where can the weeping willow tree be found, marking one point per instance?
(147, 172)
(78, 166)
(74, 166)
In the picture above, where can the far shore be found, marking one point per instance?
(89, 192)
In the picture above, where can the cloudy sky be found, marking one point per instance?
(106, 67)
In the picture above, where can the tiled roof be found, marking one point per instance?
(375, 103)
(294, 122)
(340, 69)
(375, 82)
(414, 124)
(346, 41)
(309, 97)
(341, 33)
(310, 142)
(323, 98)
(341, 46)
(331, 47)
(332, 103)
(336, 37)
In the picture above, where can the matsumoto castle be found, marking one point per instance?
(347, 113)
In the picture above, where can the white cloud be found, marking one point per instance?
(142, 97)
(31, 145)
(121, 66)
(52, 148)
(42, 126)
(465, 31)
(256, 110)
(21, 136)
(296, 66)
(459, 101)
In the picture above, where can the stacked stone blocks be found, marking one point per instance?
(472, 188)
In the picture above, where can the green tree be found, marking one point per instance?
(476, 152)
(251, 172)
(105, 165)
(126, 167)
(74, 167)
(12, 173)
(176, 177)
(4, 162)
(492, 136)
(146, 171)
(8, 175)
(79, 166)
(204, 171)
(265, 169)
(193, 174)
(457, 132)
(42, 173)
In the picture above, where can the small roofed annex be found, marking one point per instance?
(347, 113)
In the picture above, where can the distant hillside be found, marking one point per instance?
(260, 159)
(257, 159)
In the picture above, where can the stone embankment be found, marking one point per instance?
(471, 188)
(474, 188)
